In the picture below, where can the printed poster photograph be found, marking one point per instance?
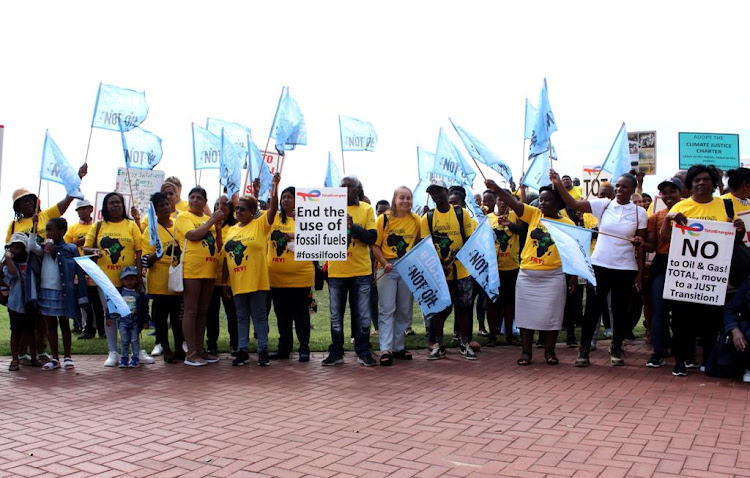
(642, 145)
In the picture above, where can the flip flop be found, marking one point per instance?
(51, 365)
(14, 366)
(525, 359)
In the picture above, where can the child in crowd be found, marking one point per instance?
(60, 296)
(130, 325)
(21, 317)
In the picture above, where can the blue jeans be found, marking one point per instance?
(128, 327)
(252, 303)
(396, 308)
(359, 290)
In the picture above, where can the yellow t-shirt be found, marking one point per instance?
(118, 243)
(77, 231)
(283, 270)
(144, 221)
(201, 257)
(740, 205)
(576, 193)
(245, 250)
(399, 236)
(182, 206)
(590, 222)
(711, 211)
(25, 224)
(540, 252)
(157, 276)
(357, 261)
(446, 235)
(506, 242)
(220, 266)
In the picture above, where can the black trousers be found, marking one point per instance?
(290, 306)
(94, 313)
(212, 318)
(620, 283)
(166, 308)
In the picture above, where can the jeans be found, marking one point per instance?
(252, 304)
(290, 305)
(395, 310)
(212, 318)
(164, 307)
(358, 288)
(128, 327)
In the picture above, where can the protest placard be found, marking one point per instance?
(478, 256)
(589, 181)
(321, 224)
(699, 257)
(720, 150)
(99, 204)
(423, 273)
(642, 145)
(745, 216)
(145, 182)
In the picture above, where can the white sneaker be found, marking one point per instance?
(144, 358)
(111, 360)
(746, 377)
(158, 350)
(184, 347)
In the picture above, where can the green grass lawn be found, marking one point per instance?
(320, 336)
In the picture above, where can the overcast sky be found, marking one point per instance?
(405, 66)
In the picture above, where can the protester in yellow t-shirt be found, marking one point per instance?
(398, 231)
(739, 185)
(353, 278)
(245, 264)
(290, 281)
(574, 192)
(541, 276)
(170, 191)
(76, 235)
(448, 234)
(165, 305)
(116, 242)
(689, 317)
(201, 243)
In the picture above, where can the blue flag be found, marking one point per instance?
(115, 303)
(420, 197)
(235, 132)
(153, 232)
(57, 169)
(479, 257)
(574, 246)
(357, 135)
(142, 148)
(538, 173)
(450, 163)
(256, 160)
(529, 118)
(206, 149)
(544, 125)
(425, 163)
(420, 268)
(618, 159)
(288, 128)
(265, 182)
(482, 153)
(115, 104)
(333, 178)
(230, 166)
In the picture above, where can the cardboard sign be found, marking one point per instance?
(699, 257)
(642, 146)
(720, 150)
(145, 183)
(320, 224)
(99, 204)
(589, 182)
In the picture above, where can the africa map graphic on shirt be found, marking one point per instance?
(503, 239)
(443, 242)
(236, 251)
(543, 241)
(398, 244)
(210, 242)
(113, 247)
(279, 240)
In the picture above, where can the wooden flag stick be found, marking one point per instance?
(86, 158)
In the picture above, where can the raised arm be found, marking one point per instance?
(199, 233)
(273, 201)
(582, 205)
(506, 197)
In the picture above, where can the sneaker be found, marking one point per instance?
(144, 358)
(68, 363)
(746, 377)
(572, 344)
(703, 368)
(582, 360)
(44, 357)
(134, 362)
(232, 352)
(195, 360)
(263, 360)
(615, 356)
(436, 353)
(408, 331)
(367, 360)
(304, 357)
(111, 360)
(332, 360)
(655, 361)
(455, 337)
(241, 359)
(467, 352)
(184, 347)
(607, 333)
(679, 370)
(124, 361)
(212, 349)
(158, 350)
(690, 363)
(209, 358)
(51, 365)
(483, 333)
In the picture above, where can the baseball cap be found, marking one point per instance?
(83, 203)
(436, 183)
(672, 182)
(128, 271)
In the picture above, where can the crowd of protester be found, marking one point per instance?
(241, 256)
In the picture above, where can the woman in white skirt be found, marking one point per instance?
(541, 286)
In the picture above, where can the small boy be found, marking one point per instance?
(130, 325)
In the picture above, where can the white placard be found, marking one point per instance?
(745, 216)
(99, 204)
(699, 257)
(145, 183)
(320, 224)
(591, 179)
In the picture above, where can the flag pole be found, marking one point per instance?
(195, 175)
(478, 168)
(88, 146)
(341, 142)
(130, 186)
(523, 158)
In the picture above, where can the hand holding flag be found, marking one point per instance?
(57, 169)
(153, 231)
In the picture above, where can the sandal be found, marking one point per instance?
(14, 366)
(525, 359)
(403, 354)
(551, 358)
(68, 363)
(51, 365)
(386, 359)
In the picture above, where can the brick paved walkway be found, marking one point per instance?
(452, 417)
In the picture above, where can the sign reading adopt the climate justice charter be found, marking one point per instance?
(699, 257)
(720, 150)
(320, 224)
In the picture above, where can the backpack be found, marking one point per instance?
(459, 217)
(739, 268)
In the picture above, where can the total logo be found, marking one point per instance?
(312, 195)
(693, 229)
